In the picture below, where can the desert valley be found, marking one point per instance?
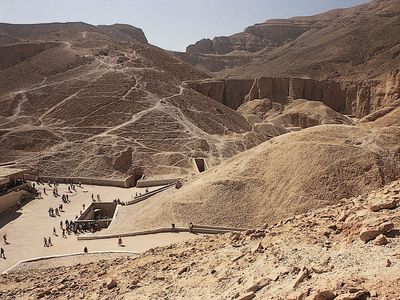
(261, 165)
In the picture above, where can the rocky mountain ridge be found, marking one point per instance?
(355, 43)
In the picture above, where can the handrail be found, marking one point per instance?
(195, 229)
(140, 198)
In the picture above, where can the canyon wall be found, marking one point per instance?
(357, 98)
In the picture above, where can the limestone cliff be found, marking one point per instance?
(358, 98)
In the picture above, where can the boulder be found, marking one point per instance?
(381, 240)
(247, 296)
(377, 204)
(324, 295)
(263, 282)
(302, 275)
(258, 248)
(371, 232)
(352, 296)
(111, 283)
(183, 270)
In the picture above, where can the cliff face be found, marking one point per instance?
(358, 43)
(254, 38)
(351, 97)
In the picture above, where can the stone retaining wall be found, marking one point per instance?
(204, 229)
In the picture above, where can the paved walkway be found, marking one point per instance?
(27, 227)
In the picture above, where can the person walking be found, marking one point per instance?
(5, 239)
(54, 231)
(45, 243)
(2, 255)
(191, 227)
(49, 242)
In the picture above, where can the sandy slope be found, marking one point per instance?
(287, 175)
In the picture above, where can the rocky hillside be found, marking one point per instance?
(347, 251)
(358, 43)
(98, 101)
(287, 175)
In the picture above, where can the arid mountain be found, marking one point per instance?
(98, 101)
(358, 43)
(11, 33)
(284, 176)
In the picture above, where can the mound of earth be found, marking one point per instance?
(284, 176)
(358, 43)
(298, 113)
(318, 255)
(75, 96)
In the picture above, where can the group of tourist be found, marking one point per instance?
(98, 198)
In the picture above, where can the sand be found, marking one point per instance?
(26, 228)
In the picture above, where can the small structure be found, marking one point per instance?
(98, 215)
(13, 188)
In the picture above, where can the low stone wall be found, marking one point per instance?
(83, 180)
(10, 200)
(202, 229)
(140, 198)
(156, 182)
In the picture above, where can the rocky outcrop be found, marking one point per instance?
(352, 97)
(123, 161)
(230, 92)
(273, 33)
(372, 231)
(70, 31)
(124, 32)
(210, 88)
(347, 44)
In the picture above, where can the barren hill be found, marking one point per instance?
(98, 101)
(356, 43)
(286, 175)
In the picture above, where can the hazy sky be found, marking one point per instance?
(170, 24)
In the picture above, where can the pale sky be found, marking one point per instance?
(169, 24)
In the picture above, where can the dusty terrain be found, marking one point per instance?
(286, 175)
(346, 251)
(298, 121)
(25, 228)
(84, 97)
